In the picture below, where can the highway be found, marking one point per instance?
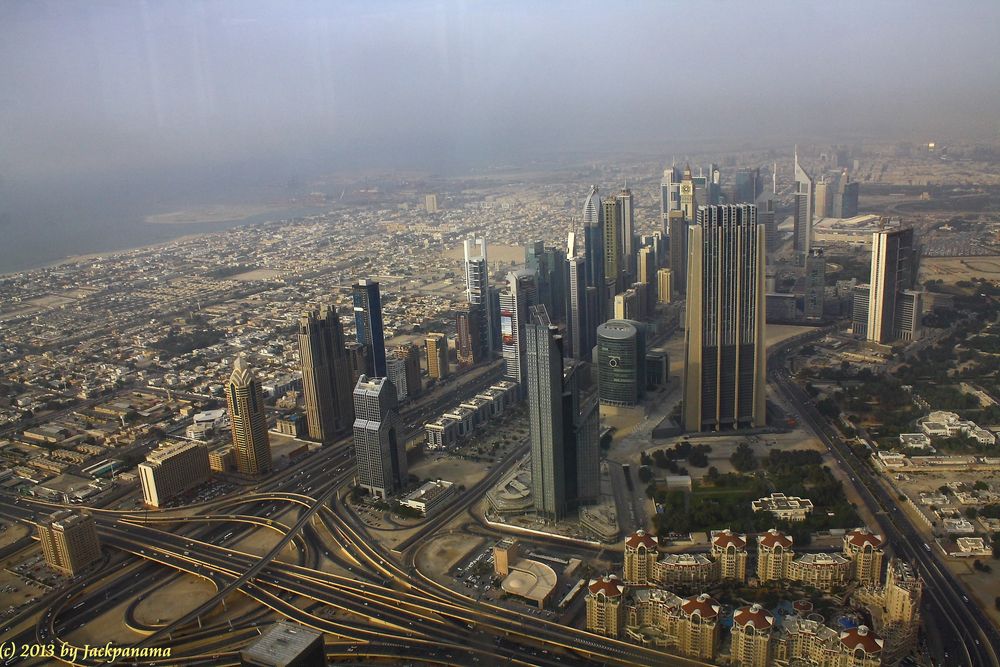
(967, 633)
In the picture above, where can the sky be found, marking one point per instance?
(99, 87)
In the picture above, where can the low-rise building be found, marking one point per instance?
(787, 508)
(685, 571)
(429, 496)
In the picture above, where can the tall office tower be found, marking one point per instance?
(613, 245)
(747, 186)
(647, 265)
(356, 359)
(565, 448)
(893, 271)
(395, 368)
(665, 285)
(410, 354)
(670, 193)
(378, 444)
(326, 374)
(468, 341)
(724, 364)
(477, 290)
(69, 541)
(593, 238)
(689, 198)
(437, 355)
(713, 185)
(767, 216)
(621, 363)
(587, 438)
(845, 199)
(431, 203)
(656, 242)
(678, 237)
(549, 265)
(368, 319)
(249, 421)
(629, 304)
(515, 299)
(627, 205)
(171, 469)
(595, 315)
(803, 208)
(577, 316)
(545, 412)
(815, 284)
(823, 198)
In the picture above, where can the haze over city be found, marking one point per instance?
(481, 333)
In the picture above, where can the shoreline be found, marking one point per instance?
(278, 215)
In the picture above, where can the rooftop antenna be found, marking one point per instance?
(774, 179)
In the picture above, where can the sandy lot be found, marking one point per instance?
(174, 600)
(954, 269)
(495, 253)
(203, 214)
(444, 551)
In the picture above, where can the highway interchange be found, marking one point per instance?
(374, 603)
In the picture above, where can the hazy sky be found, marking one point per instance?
(101, 87)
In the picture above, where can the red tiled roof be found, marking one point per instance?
(641, 537)
(611, 586)
(863, 637)
(754, 615)
(774, 538)
(703, 605)
(726, 537)
(859, 537)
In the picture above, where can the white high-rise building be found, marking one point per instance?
(804, 207)
(477, 290)
(515, 300)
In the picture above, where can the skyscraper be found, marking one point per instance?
(803, 209)
(515, 299)
(689, 199)
(845, 199)
(629, 248)
(646, 267)
(395, 368)
(815, 295)
(823, 199)
(665, 285)
(477, 290)
(368, 319)
(378, 444)
(468, 335)
(670, 193)
(747, 186)
(577, 317)
(545, 417)
(613, 246)
(410, 354)
(549, 265)
(593, 234)
(249, 421)
(621, 363)
(678, 237)
(724, 365)
(565, 448)
(893, 272)
(326, 374)
(437, 355)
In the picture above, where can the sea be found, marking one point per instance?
(39, 227)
